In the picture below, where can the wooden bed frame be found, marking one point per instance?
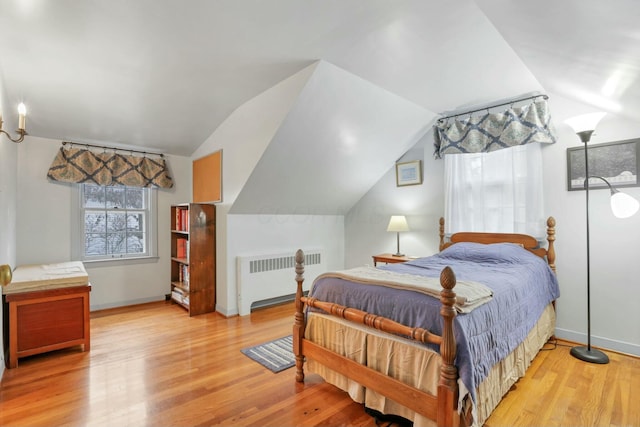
(443, 407)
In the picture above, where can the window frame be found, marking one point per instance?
(525, 185)
(78, 229)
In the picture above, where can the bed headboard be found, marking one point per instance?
(528, 242)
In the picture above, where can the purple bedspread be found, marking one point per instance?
(522, 283)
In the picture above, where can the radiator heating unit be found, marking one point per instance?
(271, 278)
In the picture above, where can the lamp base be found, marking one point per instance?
(590, 355)
(398, 254)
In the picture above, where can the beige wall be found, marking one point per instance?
(44, 228)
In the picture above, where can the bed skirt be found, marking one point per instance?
(416, 365)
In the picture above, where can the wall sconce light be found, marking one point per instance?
(398, 223)
(22, 115)
(622, 205)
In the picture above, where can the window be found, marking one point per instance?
(114, 223)
(499, 192)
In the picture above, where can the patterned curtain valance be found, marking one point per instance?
(81, 165)
(494, 131)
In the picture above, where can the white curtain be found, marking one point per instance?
(500, 191)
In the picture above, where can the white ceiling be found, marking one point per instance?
(162, 75)
(587, 51)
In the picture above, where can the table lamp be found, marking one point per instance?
(398, 223)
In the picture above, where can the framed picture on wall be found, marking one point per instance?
(408, 173)
(617, 162)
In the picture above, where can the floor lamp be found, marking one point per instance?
(622, 205)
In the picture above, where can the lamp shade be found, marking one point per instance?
(585, 122)
(623, 205)
(398, 223)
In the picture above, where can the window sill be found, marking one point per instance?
(121, 261)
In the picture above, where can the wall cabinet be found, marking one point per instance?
(193, 257)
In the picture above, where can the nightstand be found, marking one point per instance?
(389, 259)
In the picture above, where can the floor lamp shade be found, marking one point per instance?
(398, 223)
(585, 122)
(622, 205)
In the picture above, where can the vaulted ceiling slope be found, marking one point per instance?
(341, 135)
(584, 51)
(163, 74)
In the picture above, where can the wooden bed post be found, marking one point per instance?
(551, 237)
(441, 233)
(299, 322)
(448, 385)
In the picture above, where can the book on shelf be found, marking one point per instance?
(185, 276)
(182, 248)
(178, 295)
(185, 219)
(182, 219)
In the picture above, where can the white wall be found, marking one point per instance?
(243, 137)
(366, 224)
(275, 234)
(8, 172)
(615, 243)
(44, 228)
(37, 212)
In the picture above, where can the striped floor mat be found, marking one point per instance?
(276, 355)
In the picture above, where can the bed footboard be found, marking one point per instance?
(441, 408)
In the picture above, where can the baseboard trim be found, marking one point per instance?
(99, 307)
(599, 342)
(260, 304)
(273, 301)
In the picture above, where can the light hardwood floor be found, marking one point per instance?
(152, 365)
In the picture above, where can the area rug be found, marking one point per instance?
(276, 355)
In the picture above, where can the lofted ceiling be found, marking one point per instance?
(162, 75)
(322, 158)
(585, 51)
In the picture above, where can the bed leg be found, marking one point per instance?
(448, 384)
(299, 320)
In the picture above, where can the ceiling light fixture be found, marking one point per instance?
(22, 117)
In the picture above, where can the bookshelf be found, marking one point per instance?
(193, 257)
